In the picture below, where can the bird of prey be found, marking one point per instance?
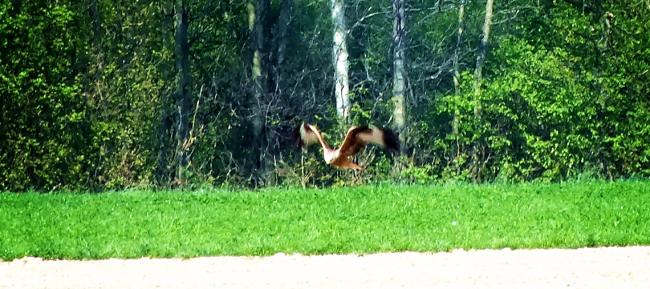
(355, 140)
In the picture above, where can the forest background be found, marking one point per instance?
(101, 95)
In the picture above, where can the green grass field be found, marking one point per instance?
(319, 221)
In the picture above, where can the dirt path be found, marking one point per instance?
(609, 268)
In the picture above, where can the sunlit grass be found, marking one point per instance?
(321, 221)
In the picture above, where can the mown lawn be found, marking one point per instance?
(320, 221)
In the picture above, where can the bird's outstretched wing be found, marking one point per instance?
(358, 137)
(308, 134)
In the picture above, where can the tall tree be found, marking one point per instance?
(182, 94)
(482, 52)
(341, 64)
(399, 110)
(258, 24)
(284, 20)
(459, 40)
(456, 64)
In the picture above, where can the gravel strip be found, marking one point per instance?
(611, 268)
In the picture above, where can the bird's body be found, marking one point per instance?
(355, 140)
(330, 155)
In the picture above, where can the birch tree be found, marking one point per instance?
(399, 111)
(482, 52)
(340, 54)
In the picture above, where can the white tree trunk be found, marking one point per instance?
(340, 54)
(456, 76)
(480, 60)
(459, 41)
(399, 110)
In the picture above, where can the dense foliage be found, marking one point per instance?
(87, 91)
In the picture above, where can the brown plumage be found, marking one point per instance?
(355, 140)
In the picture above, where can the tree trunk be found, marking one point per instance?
(182, 94)
(283, 26)
(164, 173)
(482, 52)
(258, 15)
(96, 22)
(399, 111)
(340, 54)
(456, 76)
(478, 147)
